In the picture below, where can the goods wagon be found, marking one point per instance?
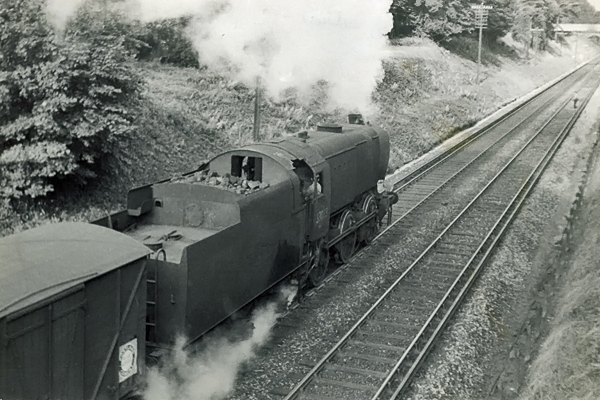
(72, 313)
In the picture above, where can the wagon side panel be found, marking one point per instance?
(67, 339)
(102, 321)
(130, 344)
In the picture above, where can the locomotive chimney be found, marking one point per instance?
(356, 119)
(256, 127)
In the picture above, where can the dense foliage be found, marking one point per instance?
(580, 12)
(164, 41)
(444, 19)
(63, 101)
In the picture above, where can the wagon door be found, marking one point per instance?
(45, 346)
(27, 356)
(67, 347)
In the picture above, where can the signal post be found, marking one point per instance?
(481, 13)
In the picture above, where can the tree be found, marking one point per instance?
(578, 11)
(534, 14)
(166, 41)
(438, 19)
(63, 101)
(501, 19)
(163, 40)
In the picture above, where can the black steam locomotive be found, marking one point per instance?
(81, 303)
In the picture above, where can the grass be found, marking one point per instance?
(492, 53)
(568, 366)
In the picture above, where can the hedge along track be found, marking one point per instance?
(379, 355)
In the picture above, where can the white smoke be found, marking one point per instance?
(296, 44)
(211, 374)
(286, 44)
(288, 294)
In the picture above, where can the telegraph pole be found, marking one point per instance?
(481, 13)
(529, 38)
(479, 52)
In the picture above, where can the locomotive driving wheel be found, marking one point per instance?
(345, 248)
(370, 229)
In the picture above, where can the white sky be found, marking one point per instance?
(595, 3)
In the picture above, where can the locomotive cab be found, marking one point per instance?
(304, 174)
(314, 199)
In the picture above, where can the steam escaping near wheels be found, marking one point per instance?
(210, 374)
(288, 293)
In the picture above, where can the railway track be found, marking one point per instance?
(528, 108)
(379, 355)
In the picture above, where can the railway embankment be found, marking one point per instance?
(471, 132)
(566, 313)
(427, 95)
(527, 329)
(448, 99)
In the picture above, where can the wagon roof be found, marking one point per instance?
(44, 261)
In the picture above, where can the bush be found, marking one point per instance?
(60, 112)
(97, 22)
(166, 41)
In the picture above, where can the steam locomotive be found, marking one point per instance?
(80, 304)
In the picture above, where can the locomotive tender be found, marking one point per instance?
(185, 255)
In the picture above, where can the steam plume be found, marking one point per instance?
(296, 44)
(211, 374)
(286, 44)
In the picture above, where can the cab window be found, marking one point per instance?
(247, 167)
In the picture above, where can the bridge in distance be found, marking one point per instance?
(577, 28)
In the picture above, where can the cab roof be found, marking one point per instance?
(41, 262)
(316, 146)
